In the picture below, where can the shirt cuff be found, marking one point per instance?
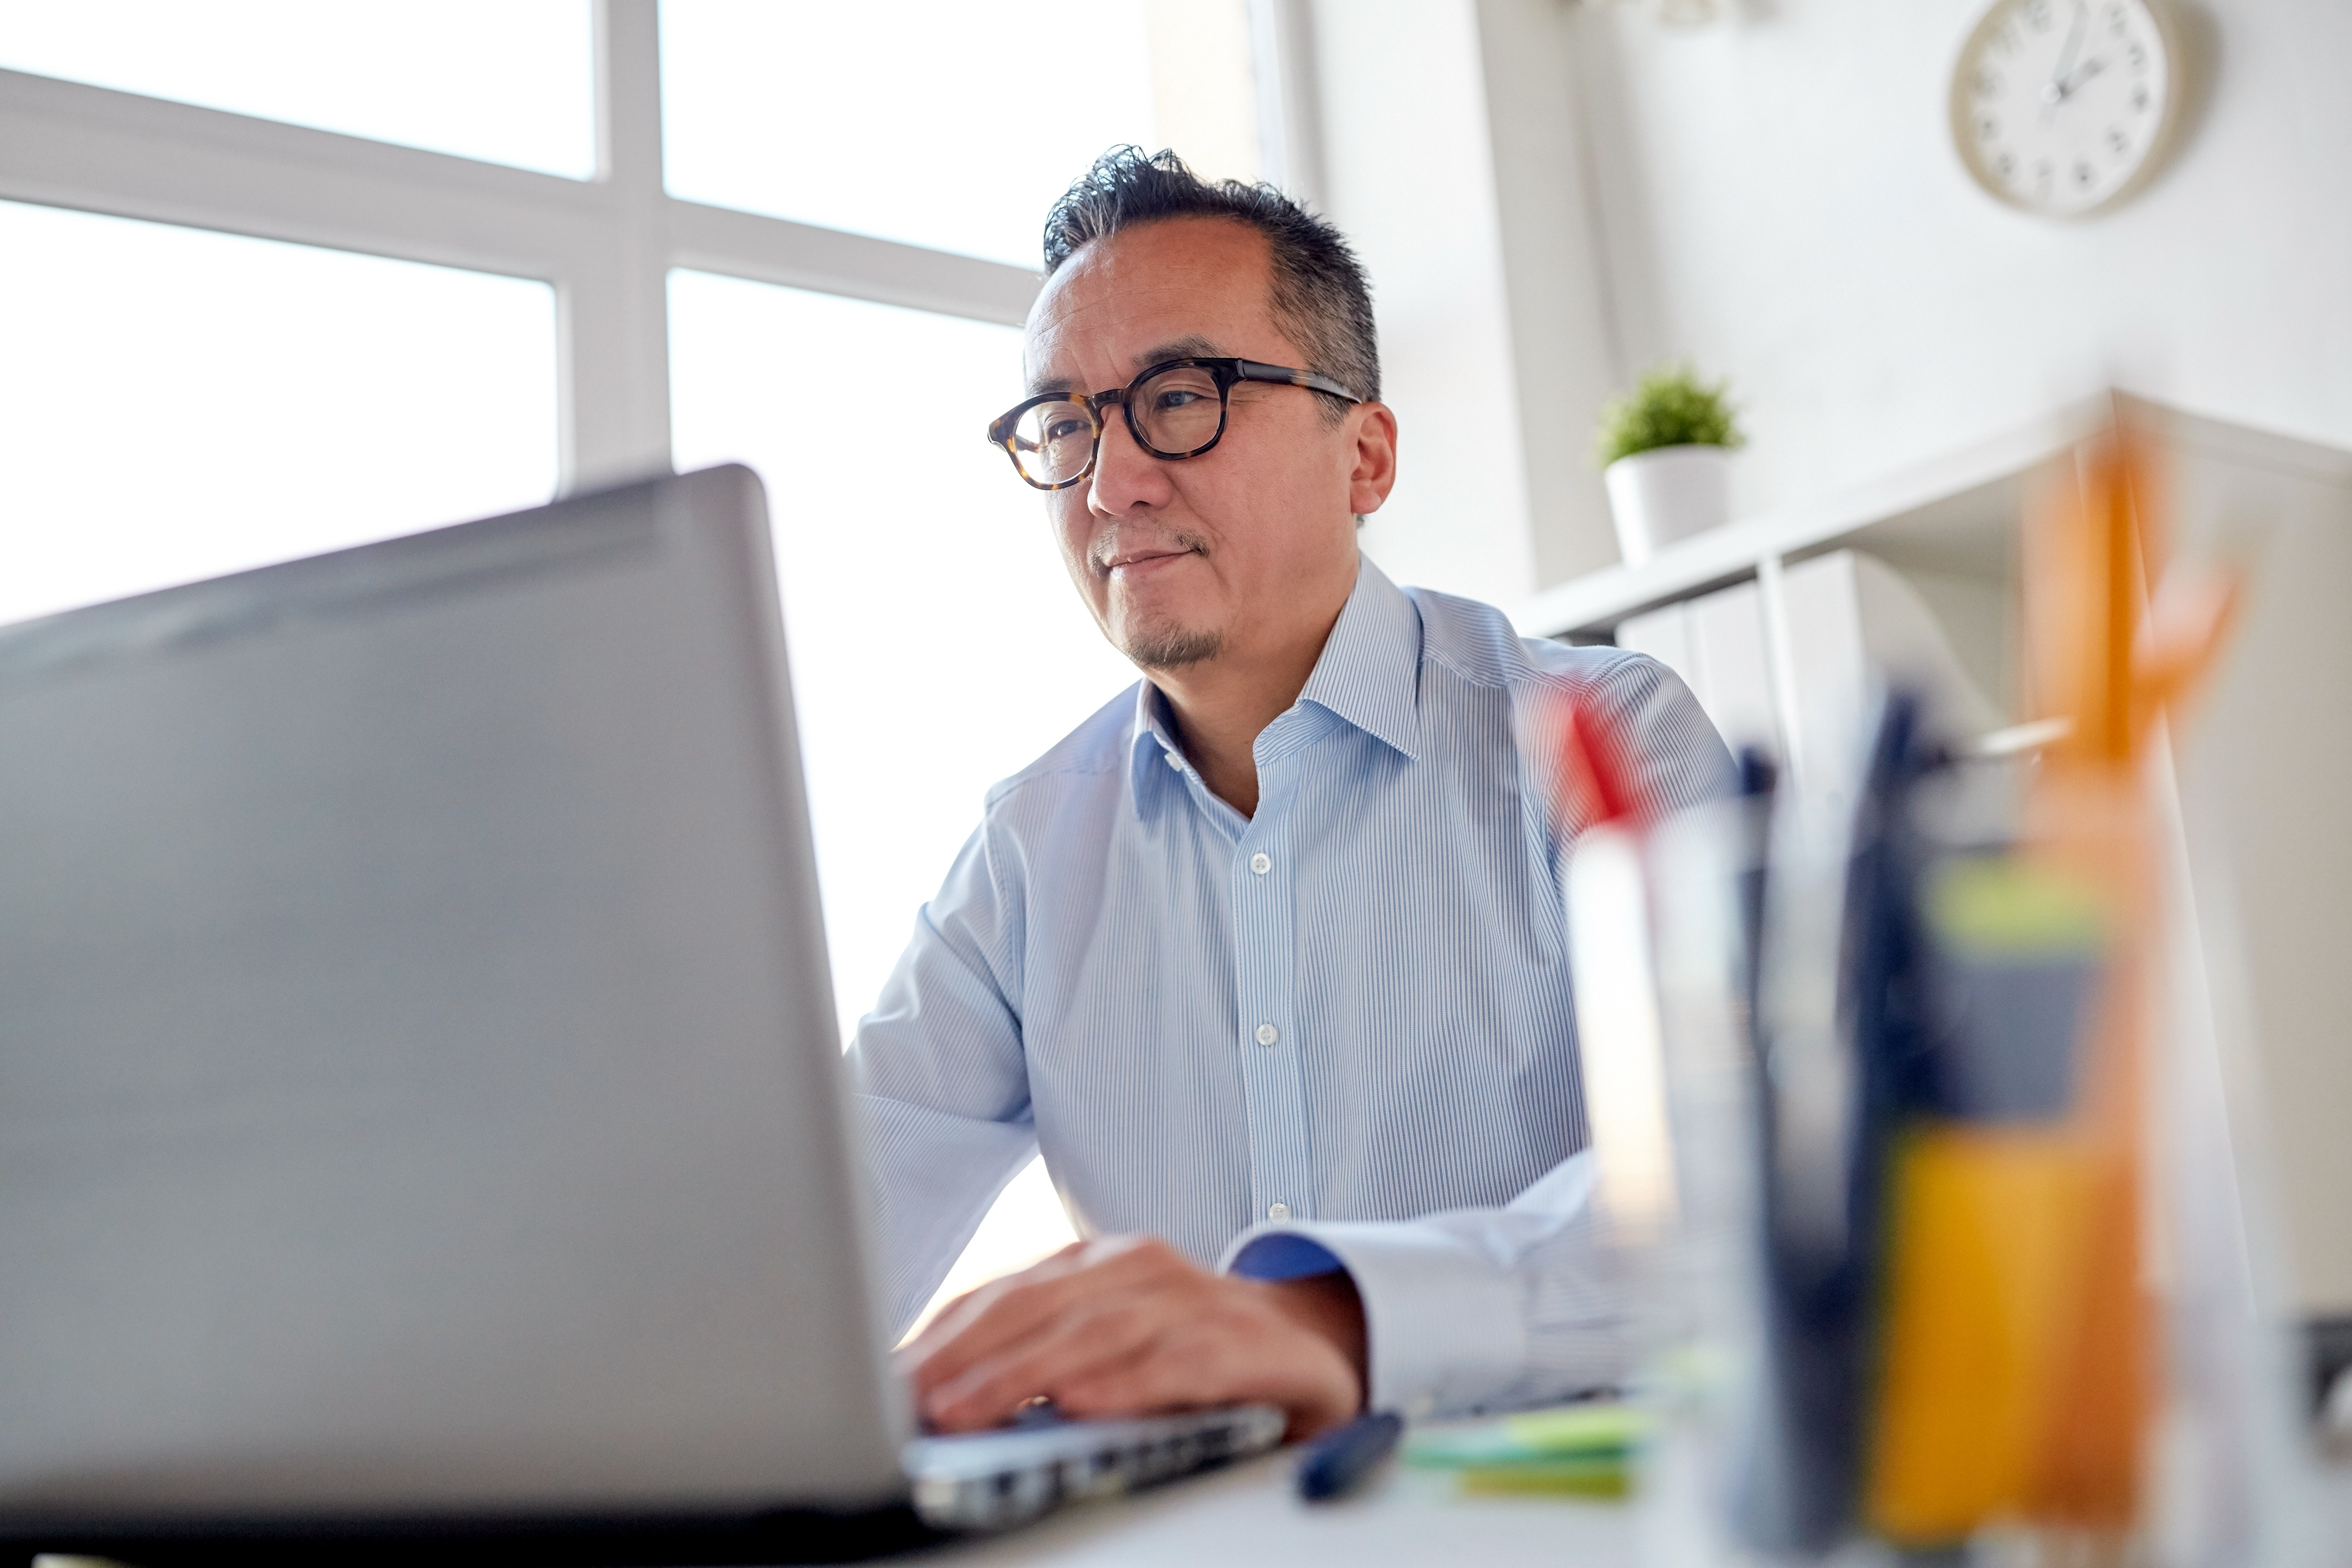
(1444, 1327)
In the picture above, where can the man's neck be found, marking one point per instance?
(1221, 705)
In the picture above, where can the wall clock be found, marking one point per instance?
(2064, 107)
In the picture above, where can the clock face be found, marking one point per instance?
(2063, 106)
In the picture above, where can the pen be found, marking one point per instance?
(1338, 1461)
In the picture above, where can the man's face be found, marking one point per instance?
(1244, 550)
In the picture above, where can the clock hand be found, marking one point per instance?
(2055, 91)
(2081, 74)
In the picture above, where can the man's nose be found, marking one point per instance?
(1126, 475)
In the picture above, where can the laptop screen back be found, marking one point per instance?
(419, 1086)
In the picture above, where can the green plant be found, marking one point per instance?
(1670, 406)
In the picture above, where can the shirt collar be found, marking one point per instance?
(1153, 744)
(1369, 675)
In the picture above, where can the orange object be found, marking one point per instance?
(1987, 1231)
(2089, 556)
(2018, 1370)
(2114, 657)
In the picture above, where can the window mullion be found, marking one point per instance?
(615, 322)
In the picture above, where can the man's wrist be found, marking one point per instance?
(1327, 1306)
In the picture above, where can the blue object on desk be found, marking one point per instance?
(1337, 1462)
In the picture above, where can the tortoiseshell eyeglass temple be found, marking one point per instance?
(1174, 409)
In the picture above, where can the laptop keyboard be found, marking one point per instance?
(989, 1480)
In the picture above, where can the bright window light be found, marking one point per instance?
(177, 403)
(937, 643)
(937, 122)
(510, 82)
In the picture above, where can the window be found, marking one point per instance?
(511, 82)
(937, 122)
(937, 643)
(176, 404)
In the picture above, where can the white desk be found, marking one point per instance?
(1249, 1515)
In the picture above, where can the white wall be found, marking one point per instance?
(1452, 153)
(1780, 201)
(1563, 335)
(1408, 176)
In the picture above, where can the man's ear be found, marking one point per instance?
(1372, 431)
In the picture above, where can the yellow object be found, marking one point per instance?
(1564, 1479)
(1987, 1227)
(2017, 1368)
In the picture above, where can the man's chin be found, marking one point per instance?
(1166, 647)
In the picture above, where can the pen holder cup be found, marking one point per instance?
(1942, 1244)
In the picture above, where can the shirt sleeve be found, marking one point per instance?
(1675, 756)
(941, 1084)
(1473, 1309)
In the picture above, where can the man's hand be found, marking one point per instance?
(1129, 1325)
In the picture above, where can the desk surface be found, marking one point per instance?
(1249, 1514)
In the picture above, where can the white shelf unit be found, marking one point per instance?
(2262, 761)
(1946, 527)
(1951, 514)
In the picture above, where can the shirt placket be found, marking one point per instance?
(1267, 1031)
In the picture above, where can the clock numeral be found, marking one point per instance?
(2116, 20)
(1988, 82)
(2037, 12)
(2042, 173)
(2118, 140)
(1988, 128)
(2139, 54)
(2006, 39)
(2140, 100)
(2005, 165)
(2084, 174)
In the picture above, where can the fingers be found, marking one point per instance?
(1202, 1362)
(1186, 1374)
(1084, 1339)
(987, 1321)
(1124, 1328)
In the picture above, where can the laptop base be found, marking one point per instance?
(784, 1536)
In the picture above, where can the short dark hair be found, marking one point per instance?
(1321, 299)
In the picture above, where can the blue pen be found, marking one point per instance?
(1338, 1461)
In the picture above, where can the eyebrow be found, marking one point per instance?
(1190, 346)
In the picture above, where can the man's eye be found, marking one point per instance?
(1177, 398)
(1065, 429)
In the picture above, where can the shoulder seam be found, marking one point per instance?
(1516, 664)
(1005, 787)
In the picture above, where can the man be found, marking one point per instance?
(1269, 955)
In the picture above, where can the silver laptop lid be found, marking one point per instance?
(419, 1086)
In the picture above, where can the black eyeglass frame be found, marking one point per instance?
(1223, 372)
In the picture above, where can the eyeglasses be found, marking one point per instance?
(1176, 409)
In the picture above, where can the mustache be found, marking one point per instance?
(1117, 543)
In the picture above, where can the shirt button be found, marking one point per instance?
(1278, 1212)
(1260, 862)
(1174, 760)
(1267, 1034)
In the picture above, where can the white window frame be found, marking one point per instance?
(607, 244)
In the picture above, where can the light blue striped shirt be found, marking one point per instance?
(1339, 1029)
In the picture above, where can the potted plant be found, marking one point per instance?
(1665, 452)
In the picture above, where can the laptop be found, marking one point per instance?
(422, 1115)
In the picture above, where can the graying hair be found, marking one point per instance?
(1320, 297)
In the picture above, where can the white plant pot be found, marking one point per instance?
(1665, 494)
